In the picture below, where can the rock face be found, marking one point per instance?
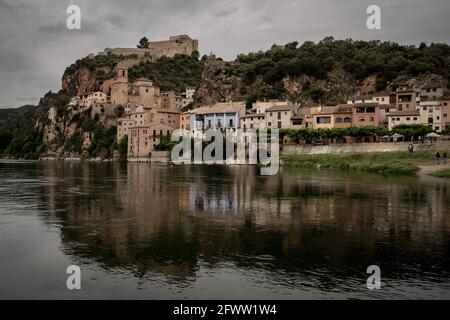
(216, 85)
(220, 82)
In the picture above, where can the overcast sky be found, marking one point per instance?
(36, 46)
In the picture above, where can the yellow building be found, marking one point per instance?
(339, 116)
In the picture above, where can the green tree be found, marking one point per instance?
(143, 43)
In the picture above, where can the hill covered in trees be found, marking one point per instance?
(327, 71)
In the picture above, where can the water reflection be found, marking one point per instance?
(308, 231)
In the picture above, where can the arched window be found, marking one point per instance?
(347, 120)
(339, 120)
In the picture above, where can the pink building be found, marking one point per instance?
(366, 114)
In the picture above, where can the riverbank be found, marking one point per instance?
(387, 163)
(442, 172)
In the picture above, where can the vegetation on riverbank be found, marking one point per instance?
(441, 174)
(388, 163)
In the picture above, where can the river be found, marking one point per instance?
(141, 231)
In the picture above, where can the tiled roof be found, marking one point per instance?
(225, 107)
(286, 107)
(404, 113)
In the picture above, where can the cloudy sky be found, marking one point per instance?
(36, 46)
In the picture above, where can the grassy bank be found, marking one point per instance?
(441, 174)
(388, 163)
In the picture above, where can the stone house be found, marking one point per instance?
(279, 116)
(142, 140)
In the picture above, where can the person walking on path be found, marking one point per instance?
(444, 157)
(438, 157)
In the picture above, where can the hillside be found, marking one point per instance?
(327, 72)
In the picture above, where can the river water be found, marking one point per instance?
(141, 231)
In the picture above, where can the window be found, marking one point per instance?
(371, 119)
(408, 119)
(231, 122)
(323, 120)
(415, 118)
(279, 125)
(339, 120)
(370, 110)
(361, 120)
(279, 115)
(347, 120)
(445, 115)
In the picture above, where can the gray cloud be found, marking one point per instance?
(36, 46)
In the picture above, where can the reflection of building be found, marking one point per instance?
(171, 221)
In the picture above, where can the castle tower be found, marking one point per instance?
(119, 88)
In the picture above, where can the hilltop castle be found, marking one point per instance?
(180, 44)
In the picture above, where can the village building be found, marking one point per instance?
(445, 110)
(382, 98)
(431, 115)
(384, 111)
(279, 116)
(408, 117)
(123, 126)
(366, 114)
(253, 121)
(303, 117)
(431, 92)
(224, 115)
(185, 121)
(328, 117)
(145, 116)
(260, 106)
(406, 99)
(168, 100)
(142, 92)
(143, 139)
(361, 99)
(87, 100)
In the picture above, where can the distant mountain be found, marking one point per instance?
(11, 114)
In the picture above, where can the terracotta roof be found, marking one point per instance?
(286, 107)
(225, 107)
(367, 104)
(404, 113)
(142, 79)
(341, 108)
